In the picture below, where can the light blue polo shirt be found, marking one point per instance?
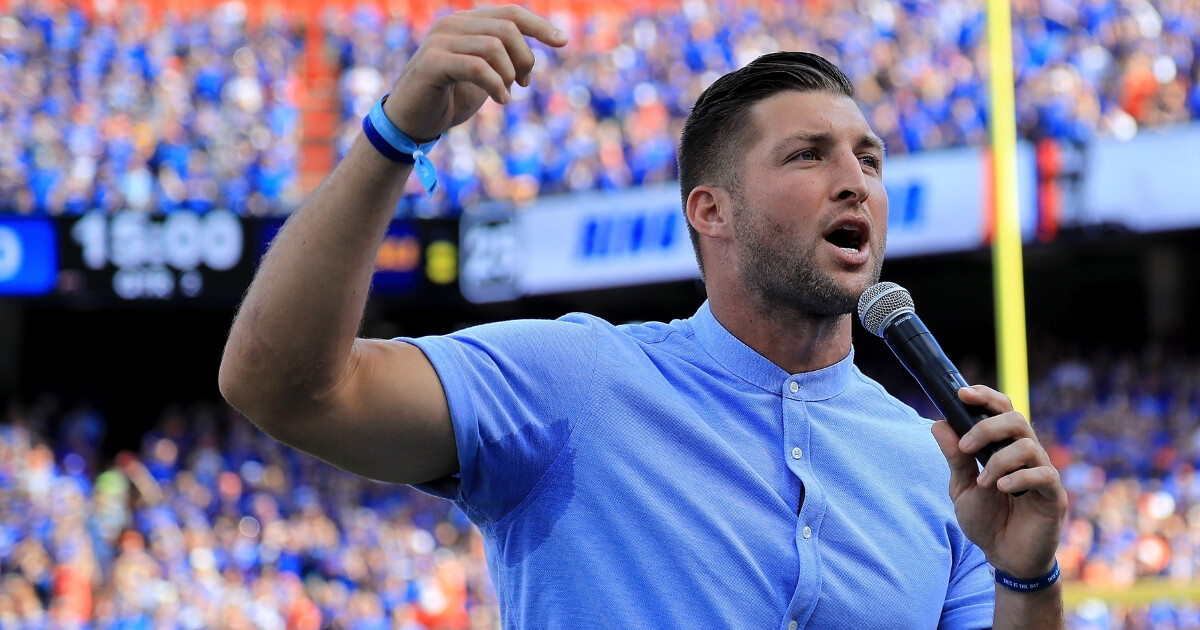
(649, 476)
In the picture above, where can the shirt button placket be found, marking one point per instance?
(796, 428)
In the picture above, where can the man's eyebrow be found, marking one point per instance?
(787, 143)
(867, 140)
(873, 141)
(819, 138)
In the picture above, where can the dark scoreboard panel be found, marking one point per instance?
(185, 257)
(136, 256)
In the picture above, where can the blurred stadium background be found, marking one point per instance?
(149, 151)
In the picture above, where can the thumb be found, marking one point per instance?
(963, 469)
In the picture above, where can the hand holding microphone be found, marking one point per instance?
(886, 310)
(1018, 537)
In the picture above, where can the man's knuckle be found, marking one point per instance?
(510, 31)
(1048, 477)
(477, 69)
(447, 22)
(430, 55)
(524, 60)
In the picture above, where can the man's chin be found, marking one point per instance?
(824, 303)
(807, 289)
(850, 285)
(861, 279)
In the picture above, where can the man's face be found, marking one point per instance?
(810, 211)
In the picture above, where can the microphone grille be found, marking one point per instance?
(877, 304)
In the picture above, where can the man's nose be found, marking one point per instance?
(851, 184)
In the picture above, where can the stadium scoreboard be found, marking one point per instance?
(138, 256)
(186, 256)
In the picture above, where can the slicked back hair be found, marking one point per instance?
(719, 127)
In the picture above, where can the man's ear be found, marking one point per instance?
(710, 211)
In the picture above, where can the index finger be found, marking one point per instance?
(529, 23)
(999, 429)
(986, 397)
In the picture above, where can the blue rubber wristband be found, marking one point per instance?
(1027, 586)
(394, 145)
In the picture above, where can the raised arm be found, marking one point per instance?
(293, 364)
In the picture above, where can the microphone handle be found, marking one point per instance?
(921, 355)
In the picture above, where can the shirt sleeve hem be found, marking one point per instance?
(972, 617)
(440, 353)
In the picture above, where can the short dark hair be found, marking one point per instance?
(718, 128)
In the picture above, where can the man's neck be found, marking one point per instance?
(797, 342)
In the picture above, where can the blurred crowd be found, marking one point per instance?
(116, 111)
(1124, 432)
(212, 524)
(605, 112)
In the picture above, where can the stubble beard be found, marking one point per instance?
(789, 277)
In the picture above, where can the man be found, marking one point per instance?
(732, 470)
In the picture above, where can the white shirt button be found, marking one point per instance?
(794, 387)
(806, 532)
(797, 453)
(792, 625)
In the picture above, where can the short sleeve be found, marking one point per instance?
(971, 594)
(513, 389)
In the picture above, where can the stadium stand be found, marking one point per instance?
(204, 109)
(213, 524)
(126, 112)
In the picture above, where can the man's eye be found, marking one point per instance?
(870, 161)
(807, 154)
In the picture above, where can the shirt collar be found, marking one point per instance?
(756, 369)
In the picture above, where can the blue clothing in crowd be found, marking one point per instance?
(667, 475)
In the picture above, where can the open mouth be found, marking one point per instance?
(848, 237)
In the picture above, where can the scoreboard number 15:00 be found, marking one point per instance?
(152, 257)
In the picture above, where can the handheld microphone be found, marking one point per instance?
(886, 309)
